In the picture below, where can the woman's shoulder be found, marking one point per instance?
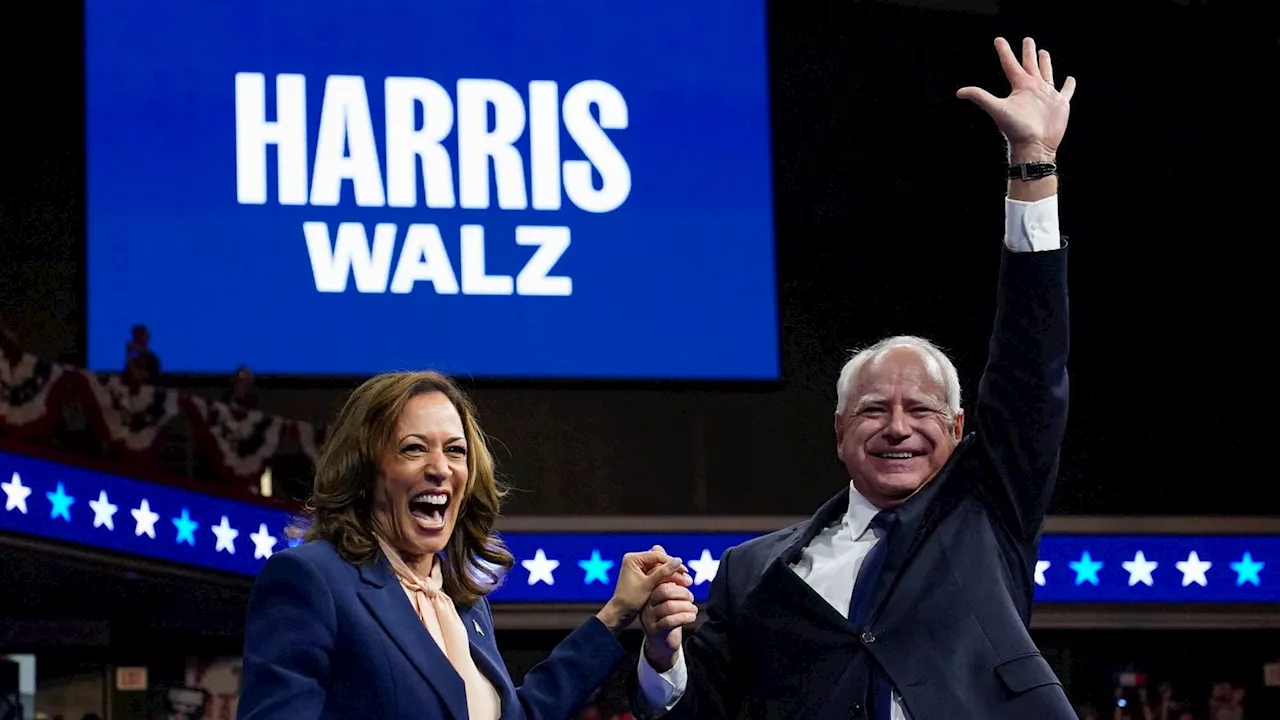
(318, 552)
(315, 556)
(315, 563)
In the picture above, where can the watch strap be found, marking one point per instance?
(1032, 170)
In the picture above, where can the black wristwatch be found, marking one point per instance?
(1032, 170)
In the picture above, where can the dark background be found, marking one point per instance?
(889, 218)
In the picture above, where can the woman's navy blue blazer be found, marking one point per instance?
(329, 639)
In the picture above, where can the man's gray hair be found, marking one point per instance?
(936, 362)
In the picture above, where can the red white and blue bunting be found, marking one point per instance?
(132, 421)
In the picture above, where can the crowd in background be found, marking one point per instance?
(1135, 699)
(132, 419)
(1226, 701)
(142, 366)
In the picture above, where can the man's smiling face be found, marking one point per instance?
(896, 431)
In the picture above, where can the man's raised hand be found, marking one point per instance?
(1034, 115)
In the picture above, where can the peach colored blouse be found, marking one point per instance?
(438, 615)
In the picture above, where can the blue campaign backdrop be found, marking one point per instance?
(305, 261)
(95, 510)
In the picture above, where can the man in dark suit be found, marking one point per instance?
(908, 595)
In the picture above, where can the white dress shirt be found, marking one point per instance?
(830, 563)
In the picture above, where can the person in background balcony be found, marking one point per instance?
(381, 612)
(8, 340)
(141, 364)
(242, 394)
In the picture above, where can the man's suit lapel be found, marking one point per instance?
(780, 586)
(382, 595)
(781, 589)
(916, 518)
(830, 512)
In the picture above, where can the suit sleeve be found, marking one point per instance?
(560, 686)
(1022, 397)
(288, 638)
(709, 692)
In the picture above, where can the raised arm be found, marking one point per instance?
(1021, 410)
(1022, 397)
(288, 637)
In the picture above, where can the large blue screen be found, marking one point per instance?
(530, 189)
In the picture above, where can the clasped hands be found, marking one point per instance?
(667, 610)
(654, 586)
(640, 577)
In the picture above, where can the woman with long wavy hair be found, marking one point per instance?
(382, 611)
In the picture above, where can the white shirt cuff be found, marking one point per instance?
(662, 690)
(1032, 226)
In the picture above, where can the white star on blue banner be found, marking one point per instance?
(567, 567)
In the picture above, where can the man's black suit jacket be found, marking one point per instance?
(949, 620)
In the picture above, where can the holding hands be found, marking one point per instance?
(638, 576)
(1033, 117)
(668, 608)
